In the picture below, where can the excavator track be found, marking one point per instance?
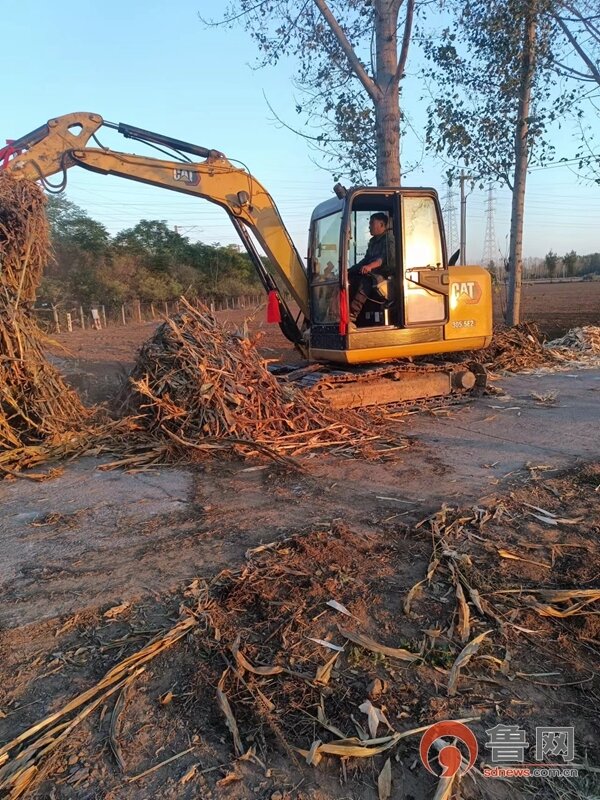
(399, 384)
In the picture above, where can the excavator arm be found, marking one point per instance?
(63, 143)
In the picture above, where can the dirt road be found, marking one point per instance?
(94, 537)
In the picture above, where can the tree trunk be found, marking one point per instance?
(513, 310)
(387, 108)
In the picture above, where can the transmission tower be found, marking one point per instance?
(450, 220)
(489, 259)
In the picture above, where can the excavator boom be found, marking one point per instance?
(63, 143)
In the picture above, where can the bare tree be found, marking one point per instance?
(351, 57)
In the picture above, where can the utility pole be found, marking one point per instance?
(463, 217)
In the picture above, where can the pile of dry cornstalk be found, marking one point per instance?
(582, 340)
(515, 349)
(199, 385)
(36, 407)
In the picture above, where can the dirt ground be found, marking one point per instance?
(491, 504)
(394, 571)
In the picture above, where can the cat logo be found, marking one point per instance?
(186, 176)
(466, 292)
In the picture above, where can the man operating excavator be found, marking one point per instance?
(377, 264)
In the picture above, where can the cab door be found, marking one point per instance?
(423, 262)
(324, 270)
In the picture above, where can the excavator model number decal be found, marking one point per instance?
(466, 292)
(186, 176)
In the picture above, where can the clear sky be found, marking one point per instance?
(155, 65)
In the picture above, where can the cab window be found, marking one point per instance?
(325, 272)
(422, 244)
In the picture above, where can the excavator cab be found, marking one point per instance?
(423, 304)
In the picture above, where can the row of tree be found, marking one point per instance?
(501, 75)
(571, 264)
(149, 262)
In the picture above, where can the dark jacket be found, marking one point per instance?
(383, 247)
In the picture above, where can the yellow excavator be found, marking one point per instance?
(424, 306)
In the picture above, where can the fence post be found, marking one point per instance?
(103, 315)
(56, 322)
(82, 318)
(166, 309)
(138, 309)
(177, 306)
(152, 311)
(123, 314)
(69, 323)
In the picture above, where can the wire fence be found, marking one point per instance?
(68, 317)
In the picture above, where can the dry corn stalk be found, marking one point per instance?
(22, 759)
(36, 407)
(202, 387)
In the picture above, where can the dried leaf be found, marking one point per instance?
(507, 554)
(444, 788)
(546, 520)
(564, 595)
(116, 610)
(376, 688)
(384, 781)
(326, 724)
(228, 713)
(410, 597)
(265, 700)
(339, 607)
(313, 757)
(464, 657)
(464, 615)
(546, 610)
(191, 773)
(324, 643)
(231, 777)
(433, 565)
(370, 644)
(243, 662)
(375, 716)
(324, 672)
(354, 748)
(166, 698)
(543, 511)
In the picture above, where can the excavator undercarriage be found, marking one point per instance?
(399, 384)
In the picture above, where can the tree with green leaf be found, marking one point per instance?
(351, 57)
(551, 263)
(578, 61)
(570, 261)
(496, 97)
(153, 240)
